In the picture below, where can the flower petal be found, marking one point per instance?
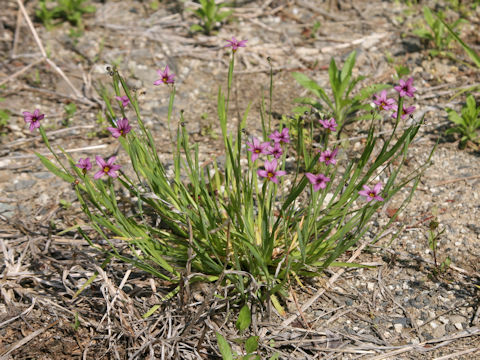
(100, 161)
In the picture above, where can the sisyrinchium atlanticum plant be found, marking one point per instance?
(252, 221)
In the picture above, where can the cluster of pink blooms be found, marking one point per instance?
(258, 148)
(106, 167)
(404, 88)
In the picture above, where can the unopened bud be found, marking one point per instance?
(433, 225)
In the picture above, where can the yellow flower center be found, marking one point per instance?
(270, 174)
(106, 169)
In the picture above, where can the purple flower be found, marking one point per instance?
(405, 112)
(318, 181)
(282, 137)
(235, 44)
(257, 148)
(106, 167)
(270, 171)
(405, 88)
(275, 150)
(166, 77)
(84, 164)
(124, 100)
(329, 124)
(33, 119)
(328, 157)
(371, 194)
(382, 102)
(122, 129)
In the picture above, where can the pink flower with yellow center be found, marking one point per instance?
(372, 194)
(122, 129)
(330, 124)
(328, 157)
(270, 171)
(33, 118)
(383, 102)
(318, 181)
(405, 112)
(405, 88)
(166, 77)
(235, 44)
(257, 148)
(280, 137)
(106, 167)
(84, 164)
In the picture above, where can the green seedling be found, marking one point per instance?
(466, 123)
(52, 13)
(4, 117)
(209, 14)
(249, 344)
(70, 110)
(76, 322)
(65, 204)
(345, 105)
(433, 237)
(436, 34)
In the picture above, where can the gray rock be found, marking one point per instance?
(403, 320)
(24, 184)
(7, 210)
(43, 175)
(439, 331)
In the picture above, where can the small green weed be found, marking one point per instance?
(436, 32)
(70, 110)
(65, 204)
(467, 122)
(52, 13)
(433, 236)
(4, 117)
(250, 344)
(209, 14)
(342, 83)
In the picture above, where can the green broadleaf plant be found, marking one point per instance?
(467, 123)
(209, 14)
(48, 11)
(344, 105)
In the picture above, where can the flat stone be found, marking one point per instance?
(43, 175)
(439, 331)
(24, 184)
(7, 210)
